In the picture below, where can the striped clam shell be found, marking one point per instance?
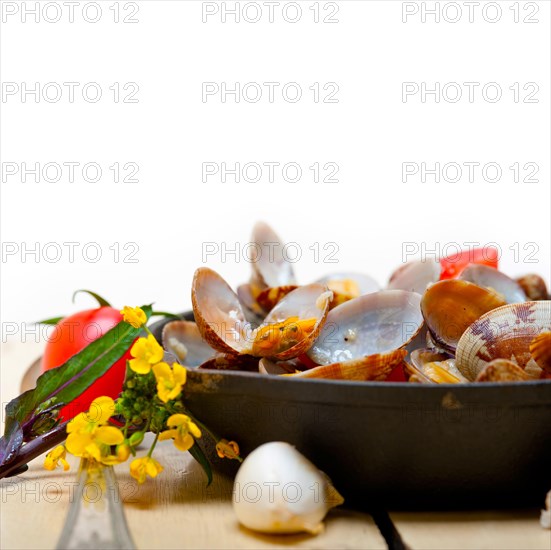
(373, 367)
(540, 350)
(503, 333)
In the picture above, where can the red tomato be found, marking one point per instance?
(454, 264)
(70, 336)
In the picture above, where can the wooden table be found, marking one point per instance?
(177, 510)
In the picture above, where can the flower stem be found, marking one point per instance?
(153, 445)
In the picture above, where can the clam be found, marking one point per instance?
(451, 306)
(502, 370)
(226, 361)
(293, 324)
(415, 276)
(362, 338)
(504, 333)
(218, 313)
(489, 277)
(534, 287)
(287, 331)
(267, 366)
(346, 286)
(373, 367)
(253, 312)
(269, 297)
(184, 340)
(540, 350)
(436, 367)
(270, 265)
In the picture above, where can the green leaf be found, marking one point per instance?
(66, 382)
(197, 453)
(101, 301)
(52, 321)
(166, 314)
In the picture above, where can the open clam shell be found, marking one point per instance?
(502, 370)
(415, 276)
(252, 310)
(184, 340)
(269, 297)
(451, 306)
(293, 324)
(218, 313)
(270, 265)
(540, 349)
(534, 287)
(347, 286)
(489, 277)
(373, 367)
(376, 323)
(504, 333)
(436, 367)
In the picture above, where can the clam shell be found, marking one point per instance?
(437, 367)
(502, 370)
(534, 287)
(540, 349)
(269, 264)
(372, 367)
(253, 312)
(218, 312)
(267, 366)
(225, 361)
(415, 276)
(306, 302)
(269, 297)
(504, 333)
(451, 306)
(184, 340)
(375, 323)
(489, 277)
(364, 284)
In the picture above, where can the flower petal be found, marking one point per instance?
(109, 435)
(180, 373)
(162, 370)
(101, 410)
(184, 443)
(168, 434)
(77, 442)
(139, 366)
(177, 420)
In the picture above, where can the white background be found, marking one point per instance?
(369, 213)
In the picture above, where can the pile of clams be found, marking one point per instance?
(481, 326)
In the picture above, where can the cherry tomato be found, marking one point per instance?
(454, 264)
(70, 336)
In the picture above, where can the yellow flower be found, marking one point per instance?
(227, 449)
(169, 380)
(140, 468)
(123, 451)
(53, 457)
(183, 431)
(88, 437)
(134, 316)
(146, 352)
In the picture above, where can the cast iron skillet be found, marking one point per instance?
(402, 446)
